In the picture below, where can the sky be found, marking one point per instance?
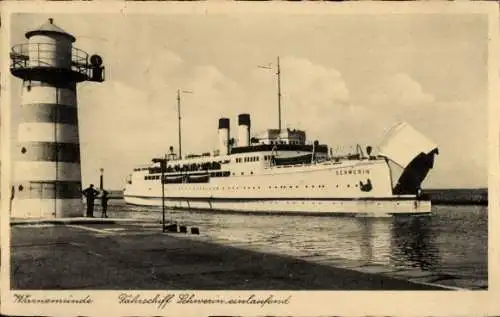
(346, 79)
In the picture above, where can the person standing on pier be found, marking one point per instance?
(90, 193)
(104, 203)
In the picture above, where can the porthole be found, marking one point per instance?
(21, 187)
(23, 150)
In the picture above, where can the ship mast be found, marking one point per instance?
(278, 75)
(179, 91)
(179, 117)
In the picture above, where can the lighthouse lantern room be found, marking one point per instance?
(47, 173)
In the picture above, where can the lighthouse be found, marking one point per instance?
(47, 173)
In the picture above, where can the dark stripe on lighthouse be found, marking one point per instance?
(48, 83)
(48, 190)
(49, 152)
(48, 113)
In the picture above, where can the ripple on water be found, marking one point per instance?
(452, 241)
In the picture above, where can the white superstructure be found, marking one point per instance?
(279, 172)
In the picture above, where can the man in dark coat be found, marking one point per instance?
(104, 203)
(90, 193)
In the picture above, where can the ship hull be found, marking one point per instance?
(371, 207)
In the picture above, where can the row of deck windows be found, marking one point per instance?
(259, 187)
(212, 174)
(252, 159)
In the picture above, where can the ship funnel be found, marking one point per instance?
(412, 151)
(223, 136)
(244, 129)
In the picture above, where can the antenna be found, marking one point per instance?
(179, 91)
(278, 74)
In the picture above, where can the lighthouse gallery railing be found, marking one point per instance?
(37, 55)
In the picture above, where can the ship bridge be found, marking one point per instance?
(276, 136)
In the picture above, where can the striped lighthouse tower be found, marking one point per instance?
(47, 173)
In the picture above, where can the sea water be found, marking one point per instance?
(451, 241)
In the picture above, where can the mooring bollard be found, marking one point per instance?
(195, 230)
(171, 228)
(182, 229)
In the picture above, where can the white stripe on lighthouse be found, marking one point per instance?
(47, 94)
(47, 171)
(48, 132)
(47, 208)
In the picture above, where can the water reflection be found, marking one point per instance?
(402, 242)
(374, 240)
(413, 243)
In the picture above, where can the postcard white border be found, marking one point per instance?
(303, 303)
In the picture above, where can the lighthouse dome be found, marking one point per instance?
(49, 28)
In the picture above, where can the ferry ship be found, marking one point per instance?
(279, 171)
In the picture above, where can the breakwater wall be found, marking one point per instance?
(472, 196)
